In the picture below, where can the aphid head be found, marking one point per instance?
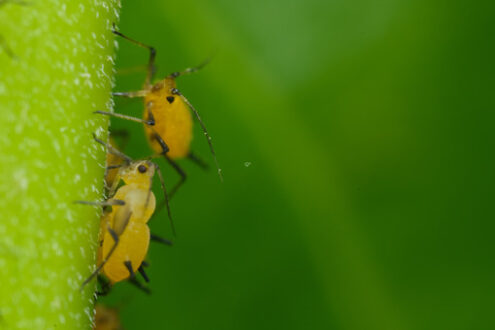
(163, 89)
(139, 172)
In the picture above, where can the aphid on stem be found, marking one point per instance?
(167, 120)
(124, 233)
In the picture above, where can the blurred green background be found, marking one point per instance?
(356, 141)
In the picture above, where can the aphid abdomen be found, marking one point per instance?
(133, 246)
(124, 235)
(173, 122)
(133, 232)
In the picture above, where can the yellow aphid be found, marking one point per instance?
(176, 126)
(166, 118)
(124, 233)
(129, 222)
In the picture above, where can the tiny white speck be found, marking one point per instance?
(56, 146)
(21, 178)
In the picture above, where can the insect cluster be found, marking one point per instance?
(130, 203)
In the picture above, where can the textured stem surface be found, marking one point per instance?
(60, 72)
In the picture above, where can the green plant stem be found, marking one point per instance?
(61, 72)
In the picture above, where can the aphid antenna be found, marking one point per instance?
(162, 183)
(205, 131)
(192, 69)
(154, 156)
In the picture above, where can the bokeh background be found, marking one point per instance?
(356, 141)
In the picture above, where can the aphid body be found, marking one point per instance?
(129, 222)
(175, 124)
(124, 234)
(167, 119)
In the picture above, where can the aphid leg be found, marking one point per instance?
(198, 161)
(112, 150)
(151, 118)
(105, 286)
(151, 62)
(149, 122)
(143, 274)
(156, 238)
(112, 167)
(128, 265)
(208, 138)
(138, 285)
(110, 202)
(162, 183)
(98, 269)
(119, 115)
(132, 278)
(181, 172)
(162, 143)
(131, 94)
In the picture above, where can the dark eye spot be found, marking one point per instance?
(142, 168)
(170, 99)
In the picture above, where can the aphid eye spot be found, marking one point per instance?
(170, 99)
(142, 168)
